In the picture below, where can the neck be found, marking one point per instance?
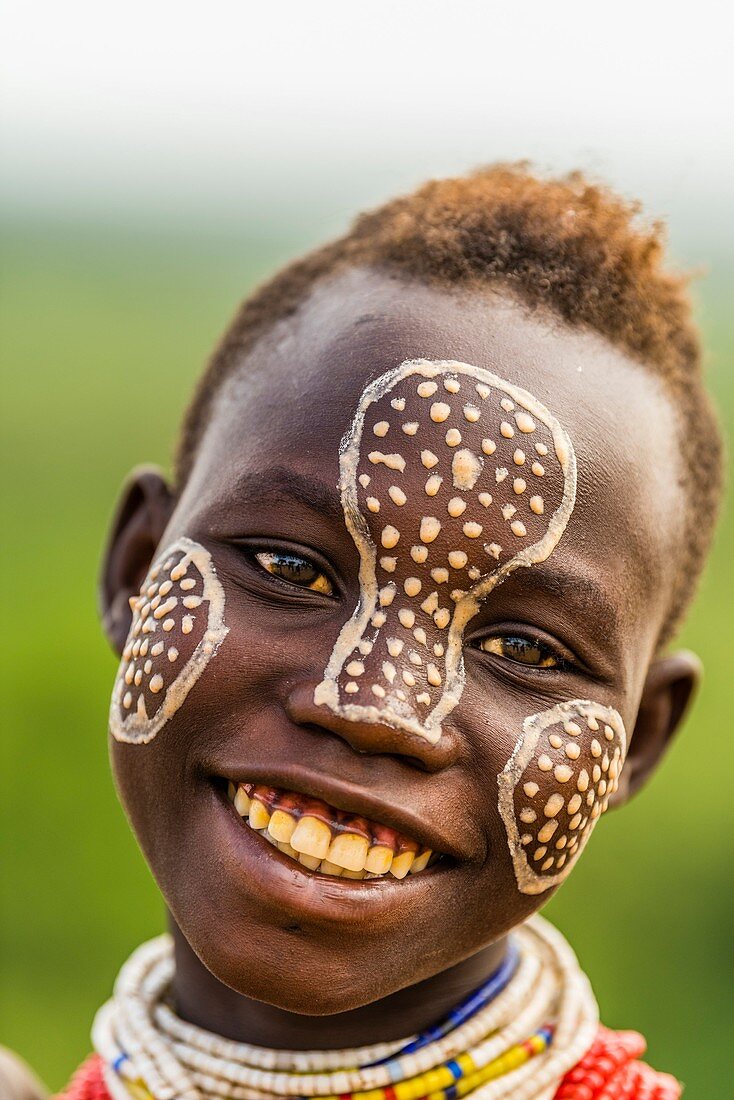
(203, 1000)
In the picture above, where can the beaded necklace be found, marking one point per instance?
(516, 1036)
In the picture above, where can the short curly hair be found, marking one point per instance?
(565, 243)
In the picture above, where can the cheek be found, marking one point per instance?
(555, 787)
(176, 630)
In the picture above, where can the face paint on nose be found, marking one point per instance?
(177, 628)
(555, 787)
(450, 479)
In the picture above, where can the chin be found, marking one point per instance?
(296, 971)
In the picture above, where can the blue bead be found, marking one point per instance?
(395, 1070)
(455, 1069)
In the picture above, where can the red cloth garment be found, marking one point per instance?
(87, 1083)
(610, 1070)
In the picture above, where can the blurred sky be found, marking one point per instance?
(288, 111)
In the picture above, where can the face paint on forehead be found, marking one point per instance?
(555, 787)
(492, 477)
(177, 627)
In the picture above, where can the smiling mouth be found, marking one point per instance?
(325, 840)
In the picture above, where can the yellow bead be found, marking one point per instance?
(496, 1068)
(439, 1078)
(468, 1084)
(139, 1091)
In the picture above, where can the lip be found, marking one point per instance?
(287, 888)
(353, 800)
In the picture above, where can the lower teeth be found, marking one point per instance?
(309, 841)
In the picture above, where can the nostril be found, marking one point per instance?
(403, 757)
(416, 762)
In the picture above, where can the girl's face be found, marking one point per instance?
(260, 574)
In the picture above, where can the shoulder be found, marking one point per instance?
(611, 1070)
(87, 1083)
(17, 1079)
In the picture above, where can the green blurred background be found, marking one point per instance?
(158, 162)
(98, 323)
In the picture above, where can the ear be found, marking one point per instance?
(145, 507)
(669, 687)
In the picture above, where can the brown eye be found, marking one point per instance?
(522, 651)
(294, 570)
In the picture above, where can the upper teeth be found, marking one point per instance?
(331, 849)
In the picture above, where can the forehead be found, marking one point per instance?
(292, 400)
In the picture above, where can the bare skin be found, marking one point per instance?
(267, 952)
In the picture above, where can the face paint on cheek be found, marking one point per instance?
(438, 521)
(555, 787)
(177, 628)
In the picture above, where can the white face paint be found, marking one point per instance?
(177, 627)
(455, 431)
(555, 787)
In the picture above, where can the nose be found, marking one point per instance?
(373, 737)
(438, 520)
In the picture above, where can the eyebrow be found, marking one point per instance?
(282, 485)
(585, 595)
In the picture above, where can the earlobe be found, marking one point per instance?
(670, 685)
(144, 509)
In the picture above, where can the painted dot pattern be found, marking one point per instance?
(555, 787)
(451, 493)
(177, 626)
(465, 523)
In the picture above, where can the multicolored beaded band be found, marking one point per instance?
(451, 1081)
(457, 1077)
(464, 1011)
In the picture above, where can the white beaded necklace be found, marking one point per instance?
(149, 1052)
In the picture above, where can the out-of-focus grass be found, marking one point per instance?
(103, 333)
